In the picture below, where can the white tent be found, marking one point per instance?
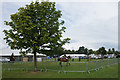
(75, 55)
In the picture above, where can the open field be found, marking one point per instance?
(25, 70)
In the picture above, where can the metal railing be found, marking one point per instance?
(51, 65)
(80, 66)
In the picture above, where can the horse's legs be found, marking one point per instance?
(68, 63)
(60, 63)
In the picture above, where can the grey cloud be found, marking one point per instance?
(107, 45)
(73, 41)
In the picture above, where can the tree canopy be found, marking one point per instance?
(82, 50)
(35, 28)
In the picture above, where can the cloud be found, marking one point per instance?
(73, 41)
(8, 8)
(89, 23)
(91, 45)
(107, 45)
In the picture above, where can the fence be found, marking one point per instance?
(80, 66)
(19, 66)
(96, 65)
(55, 66)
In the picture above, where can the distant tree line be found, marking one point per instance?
(84, 50)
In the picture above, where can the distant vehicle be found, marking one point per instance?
(96, 57)
(4, 60)
(118, 56)
(105, 56)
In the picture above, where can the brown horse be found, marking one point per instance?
(63, 60)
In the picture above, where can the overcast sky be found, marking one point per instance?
(89, 24)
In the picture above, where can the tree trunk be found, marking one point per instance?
(35, 62)
(87, 57)
(102, 57)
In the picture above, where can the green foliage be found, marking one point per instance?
(90, 51)
(69, 51)
(101, 51)
(117, 53)
(82, 50)
(109, 51)
(113, 50)
(35, 27)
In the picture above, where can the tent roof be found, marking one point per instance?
(74, 55)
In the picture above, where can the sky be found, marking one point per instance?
(92, 24)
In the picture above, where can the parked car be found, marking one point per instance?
(105, 56)
(4, 60)
(96, 57)
(118, 56)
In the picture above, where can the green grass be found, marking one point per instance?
(109, 72)
(106, 72)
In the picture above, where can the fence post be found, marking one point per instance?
(8, 68)
(45, 65)
(118, 60)
(101, 63)
(26, 66)
(96, 65)
(63, 67)
(87, 67)
(108, 62)
(113, 61)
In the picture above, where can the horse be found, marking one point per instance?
(64, 59)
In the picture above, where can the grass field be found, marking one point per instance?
(17, 71)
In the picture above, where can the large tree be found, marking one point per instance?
(35, 28)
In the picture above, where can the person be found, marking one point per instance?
(72, 58)
(64, 56)
(79, 58)
(48, 57)
(12, 59)
(88, 58)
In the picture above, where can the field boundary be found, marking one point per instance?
(54, 66)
